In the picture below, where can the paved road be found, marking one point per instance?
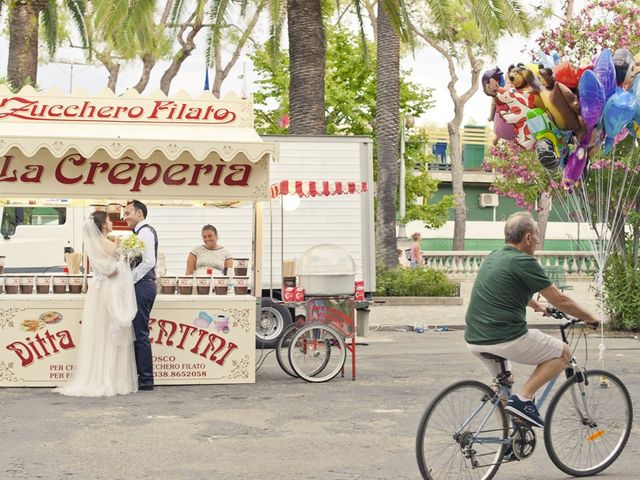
(278, 428)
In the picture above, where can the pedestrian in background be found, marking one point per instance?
(416, 259)
(402, 259)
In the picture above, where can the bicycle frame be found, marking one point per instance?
(505, 390)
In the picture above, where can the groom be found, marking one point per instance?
(144, 279)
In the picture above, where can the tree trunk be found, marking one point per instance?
(187, 45)
(307, 60)
(114, 72)
(543, 217)
(112, 67)
(148, 62)
(457, 174)
(387, 136)
(22, 66)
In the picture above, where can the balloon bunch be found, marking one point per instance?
(566, 114)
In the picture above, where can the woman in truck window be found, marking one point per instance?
(105, 364)
(210, 255)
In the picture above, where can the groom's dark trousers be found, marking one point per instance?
(145, 296)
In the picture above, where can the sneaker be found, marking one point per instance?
(509, 455)
(525, 410)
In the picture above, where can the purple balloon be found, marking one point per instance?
(618, 111)
(605, 70)
(502, 129)
(592, 99)
(576, 163)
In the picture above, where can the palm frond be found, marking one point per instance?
(140, 22)
(441, 12)
(487, 19)
(359, 8)
(115, 18)
(218, 13)
(49, 21)
(277, 20)
(244, 4)
(177, 10)
(394, 10)
(78, 11)
(514, 15)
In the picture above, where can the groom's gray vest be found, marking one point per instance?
(151, 274)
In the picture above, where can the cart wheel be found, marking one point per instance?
(274, 318)
(317, 353)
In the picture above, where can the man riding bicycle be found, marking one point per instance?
(496, 317)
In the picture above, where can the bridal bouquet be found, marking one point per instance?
(131, 248)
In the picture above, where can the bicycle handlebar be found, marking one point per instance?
(555, 313)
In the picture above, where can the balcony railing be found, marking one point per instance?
(466, 263)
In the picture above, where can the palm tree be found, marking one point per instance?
(307, 61)
(387, 136)
(25, 19)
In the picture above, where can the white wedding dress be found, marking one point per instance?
(105, 364)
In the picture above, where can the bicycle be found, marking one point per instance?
(465, 430)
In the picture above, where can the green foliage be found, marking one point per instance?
(420, 186)
(413, 282)
(350, 89)
(457, 25)
(520, 176)
(622, 294)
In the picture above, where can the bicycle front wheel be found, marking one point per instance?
(588, 423)
(317, 353)
(455, 441)
(282, 349)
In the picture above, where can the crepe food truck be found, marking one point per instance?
(193, 162)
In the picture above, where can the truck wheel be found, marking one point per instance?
(274, 318)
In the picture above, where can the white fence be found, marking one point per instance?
(467, 263)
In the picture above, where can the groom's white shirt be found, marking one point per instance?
(149, 257)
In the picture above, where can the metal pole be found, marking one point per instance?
(402, 200)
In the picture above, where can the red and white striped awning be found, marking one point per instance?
(312, 188)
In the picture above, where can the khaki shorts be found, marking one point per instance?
(533, 348)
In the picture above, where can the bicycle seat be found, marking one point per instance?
(491, 356)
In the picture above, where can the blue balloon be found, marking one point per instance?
(635, 90)
(605, 70)
(592, 99)
(618, 112)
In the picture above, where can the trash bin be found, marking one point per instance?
(362, 322)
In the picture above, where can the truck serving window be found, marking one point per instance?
(14, 216)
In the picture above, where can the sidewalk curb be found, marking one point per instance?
(414, 301)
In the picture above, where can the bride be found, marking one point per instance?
(105, 364)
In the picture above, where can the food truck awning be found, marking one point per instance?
(152, 147)
(181, 125)
(317, 188)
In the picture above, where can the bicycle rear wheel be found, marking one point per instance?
(317, 353)
(447, 445)
(282, 349)
(583, 435)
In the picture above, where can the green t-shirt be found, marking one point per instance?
(506, 281)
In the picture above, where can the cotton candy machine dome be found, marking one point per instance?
(326, 269)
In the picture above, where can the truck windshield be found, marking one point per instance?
(14, 216)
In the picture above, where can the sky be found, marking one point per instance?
(429, 69)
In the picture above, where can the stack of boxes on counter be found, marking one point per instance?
(210, 284)
(27, 284)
